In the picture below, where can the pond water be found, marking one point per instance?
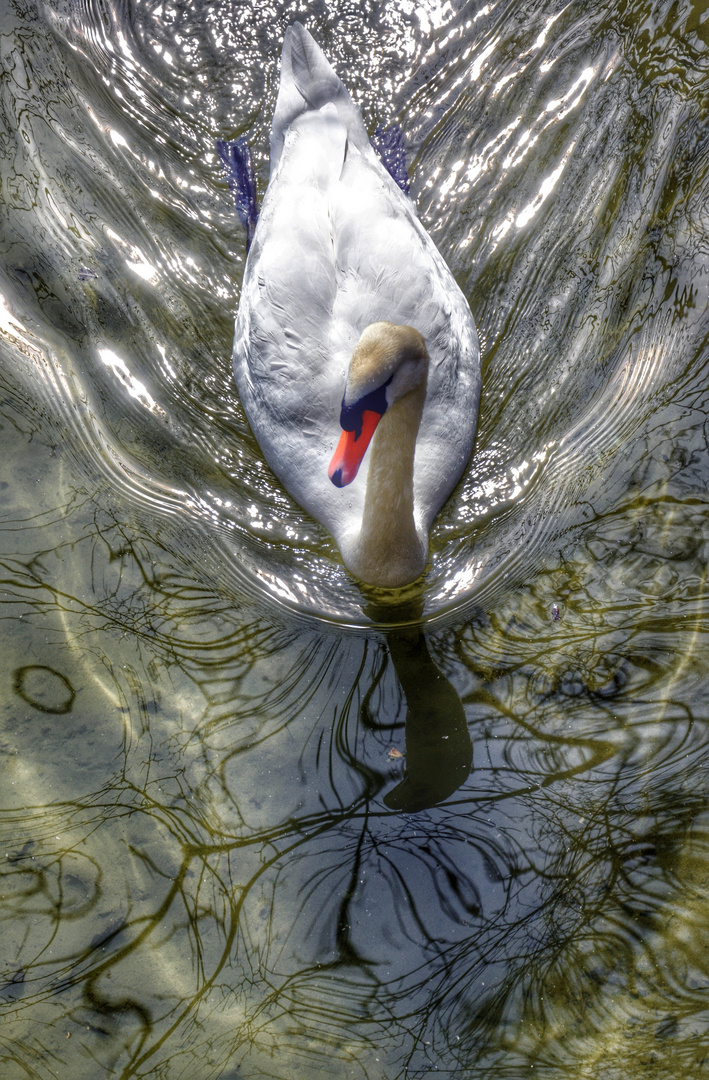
(254, 824)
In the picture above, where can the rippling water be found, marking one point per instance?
(252, 824)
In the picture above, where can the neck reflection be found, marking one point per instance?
(439, 750)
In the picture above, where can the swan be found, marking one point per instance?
(351, 334)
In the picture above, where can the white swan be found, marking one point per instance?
(348, 313)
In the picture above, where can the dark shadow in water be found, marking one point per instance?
(439, 750)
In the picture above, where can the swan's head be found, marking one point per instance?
(388, 362)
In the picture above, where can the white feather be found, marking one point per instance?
(338, 246)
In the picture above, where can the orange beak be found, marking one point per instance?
(351, 449)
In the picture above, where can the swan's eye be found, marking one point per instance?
(374, 401)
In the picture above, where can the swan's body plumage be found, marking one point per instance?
(338, 247)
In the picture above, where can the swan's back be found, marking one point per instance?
(308, 83)
(338, 246)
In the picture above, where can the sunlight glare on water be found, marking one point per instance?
(254, 823)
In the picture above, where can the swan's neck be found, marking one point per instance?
(389, 552)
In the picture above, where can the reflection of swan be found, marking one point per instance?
(344, 291)
(439, 750)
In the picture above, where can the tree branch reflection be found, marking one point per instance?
(211, 857)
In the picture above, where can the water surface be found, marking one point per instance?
(215, 863)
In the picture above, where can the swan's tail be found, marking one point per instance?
(308, 82)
